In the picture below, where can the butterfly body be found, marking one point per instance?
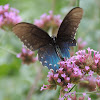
(51, 50)
(56, 47)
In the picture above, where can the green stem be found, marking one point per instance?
(12, 52)
(2, 37)
(77, 3)
(72, 88)
(53, 5)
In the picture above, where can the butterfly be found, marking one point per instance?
(51, 49)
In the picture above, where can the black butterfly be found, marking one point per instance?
(51, 49)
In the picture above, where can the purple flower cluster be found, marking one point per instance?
(27, 56)
(75, 70)
(8, 16)
(88, 83)
(73, 96)
(48, 22)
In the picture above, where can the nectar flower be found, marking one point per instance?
(89, 83)
(49, 22)
(69, 85)
(89, 98)
(8, 16)
(78, 69)
(98, 82)
(27, 56)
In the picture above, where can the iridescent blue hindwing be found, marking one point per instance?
(64, 48)
(48, 56)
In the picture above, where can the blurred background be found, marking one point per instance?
(19, 81)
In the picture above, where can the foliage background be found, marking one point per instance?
(16, 79)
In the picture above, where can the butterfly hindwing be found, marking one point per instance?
(32, 36)
(48, 56)
(64, 48)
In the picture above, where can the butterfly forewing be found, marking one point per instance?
(32, 36)
(69, 25)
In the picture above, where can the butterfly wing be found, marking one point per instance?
(35, 38)
(67, 30)
(48, 56)
(69, 25)
(32, 36)
(64, 48)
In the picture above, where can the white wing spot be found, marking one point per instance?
(45, 61)
(25, 40)
(22, 37)
(74, 28)
(54, 65)
(28, 44)
(31, 47)
(42, 57)
(40, 62)
(50, 64)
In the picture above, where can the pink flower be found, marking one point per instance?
(56, 75)
(96, 61)
(59, 80)
(47, 21)
(66, 89)
(91, 73)
(27, 56)
(44, 87)
(60, 69)
(8, 16)
(61, 98)
(63, 75)
(89, 98)
(69, 85)
(6, 7)
(84, 94)
(50, 74)
(78, 69)
(69, 99)
(87, 67)
(98, 82)
(68, 78)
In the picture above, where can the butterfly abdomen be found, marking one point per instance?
(62, 50)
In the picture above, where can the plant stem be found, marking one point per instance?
(77, 3)
(12, 52)
(72, 88)
(53, 5)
